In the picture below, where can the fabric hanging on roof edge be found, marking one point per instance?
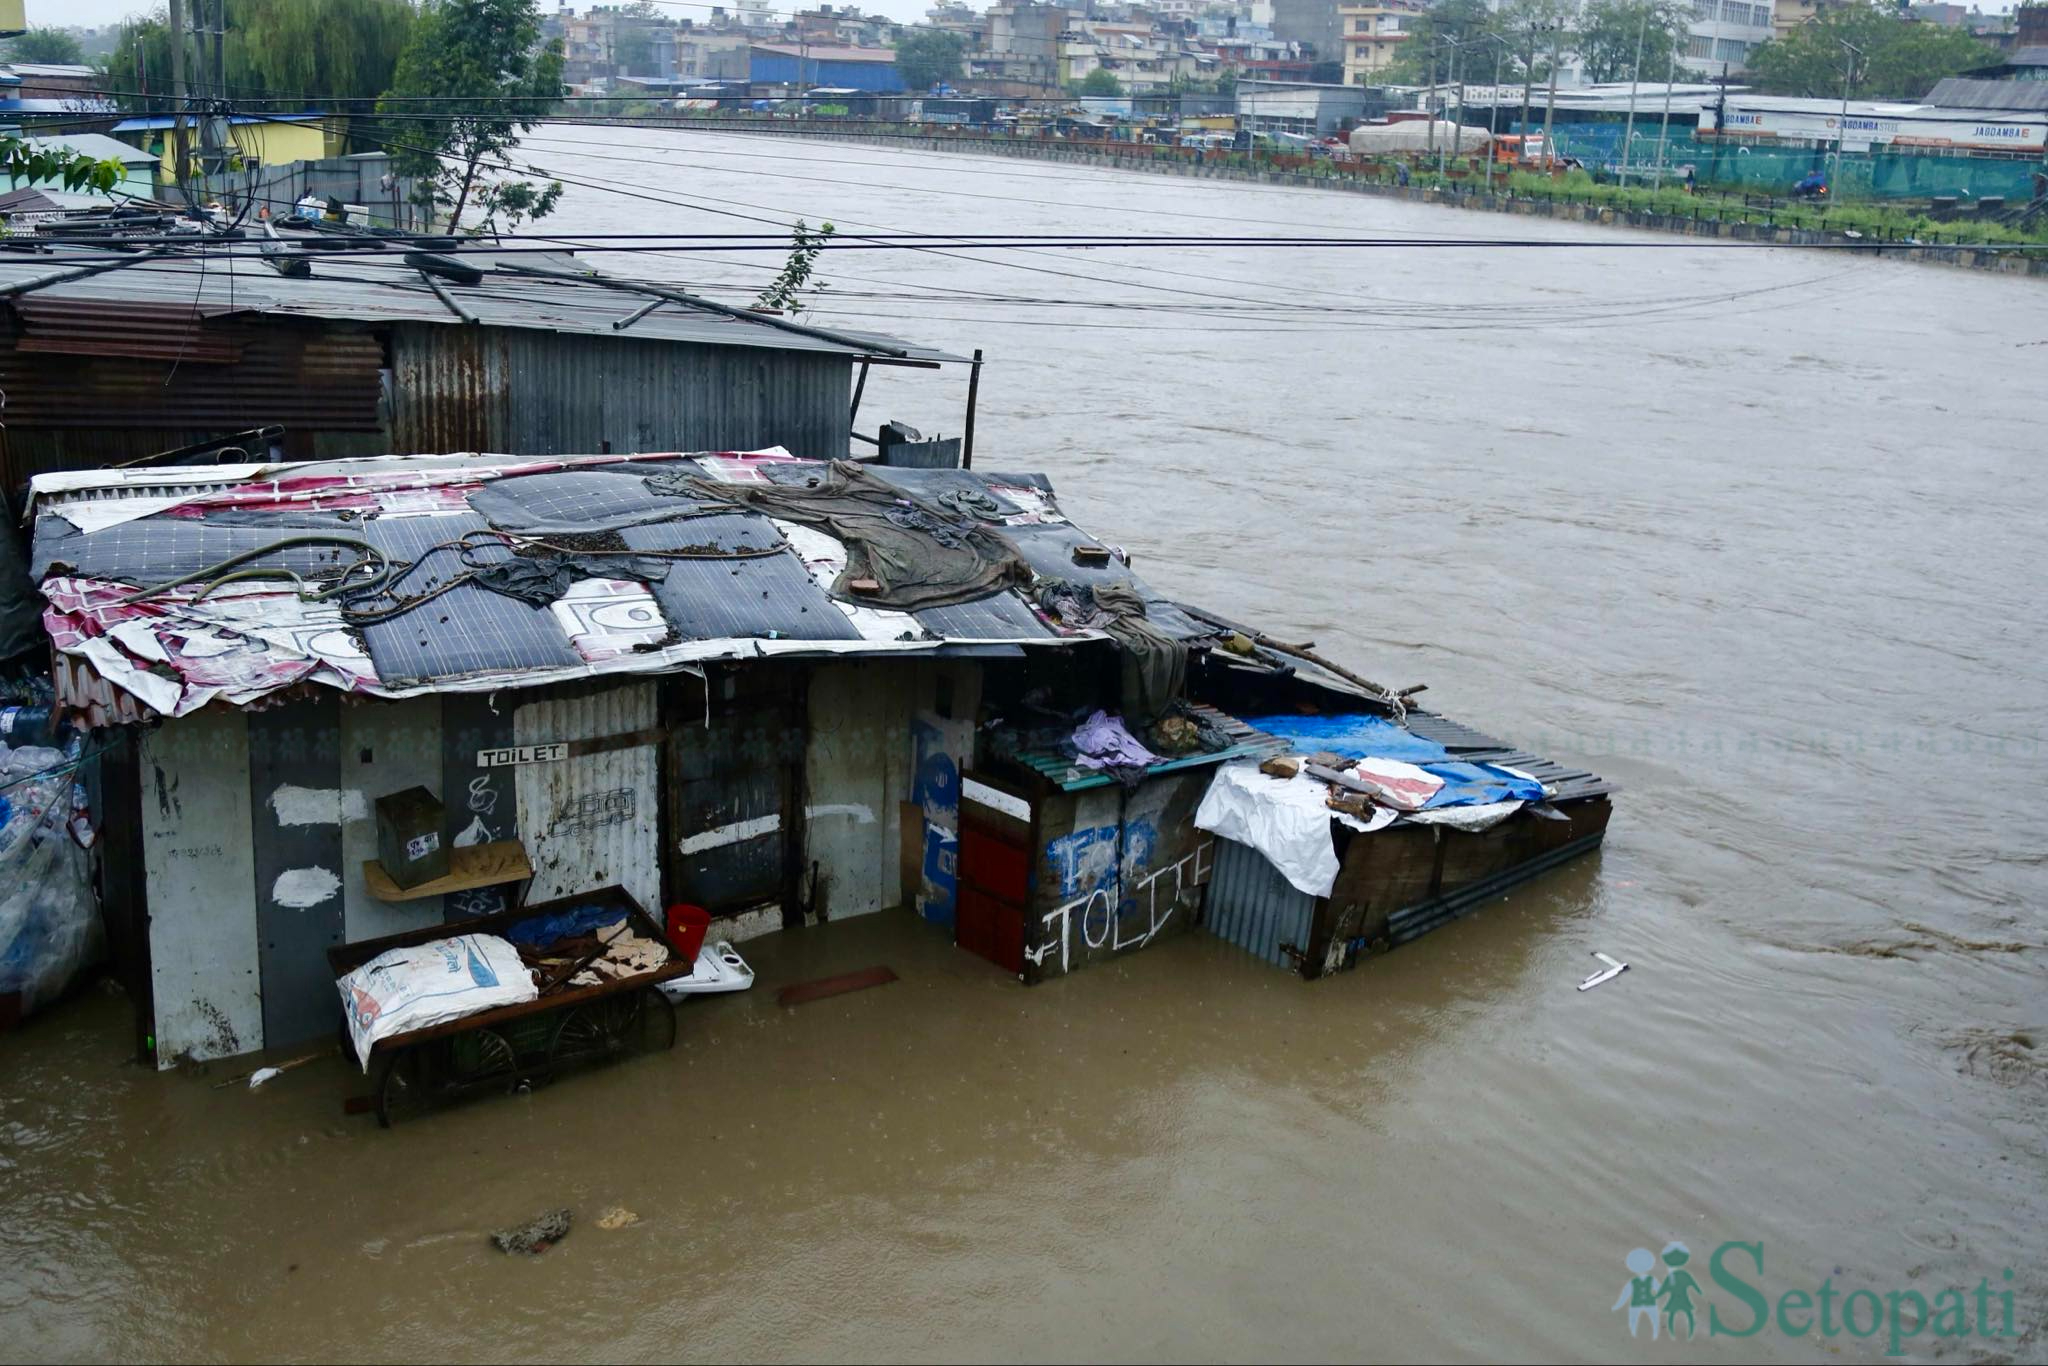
(1155, 664)
(916, 555)
(1287, 820)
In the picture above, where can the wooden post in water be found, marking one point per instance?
(973, 391)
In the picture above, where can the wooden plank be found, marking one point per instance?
(476, 865)
(824, 987)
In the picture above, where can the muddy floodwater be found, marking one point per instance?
(1757, 533)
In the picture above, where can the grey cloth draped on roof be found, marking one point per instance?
(920, 557)
(1154, 663)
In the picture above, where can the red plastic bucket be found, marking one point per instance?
(686, 927)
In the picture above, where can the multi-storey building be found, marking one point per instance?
(1373, 33)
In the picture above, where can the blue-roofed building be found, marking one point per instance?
(806, 66)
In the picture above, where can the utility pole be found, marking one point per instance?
(1842, 128)
(1550, 102)
(1528, 81)
(1635, 78)
(1442, 148)
(1664, 132)
(181, 152)
(1493, 108)
(1436, 47)
(1458, 79)
(1428, 101)
(220, 38)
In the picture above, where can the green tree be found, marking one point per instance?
(43, 45)
(1101, 83)
(281, 54)
(929, 57)
(1610, 34)
(1901, 59)
(1425, 56)
(487, 56)
(26, 162)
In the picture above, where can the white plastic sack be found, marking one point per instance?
(49, 924)
(1286, 819)
(429, 984)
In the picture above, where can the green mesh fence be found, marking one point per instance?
(1772, 170)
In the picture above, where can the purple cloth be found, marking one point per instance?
(1102, 742)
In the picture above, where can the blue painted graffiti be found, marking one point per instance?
(935, 790)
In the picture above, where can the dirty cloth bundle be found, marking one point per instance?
(540, 579)
(1155, 665)
(1103, 742)
(916, 555)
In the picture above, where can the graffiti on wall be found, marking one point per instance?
(935, 791)
(1102, 910)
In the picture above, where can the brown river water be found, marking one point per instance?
(1755, 532)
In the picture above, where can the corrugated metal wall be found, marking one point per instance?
(453, 391)
(591, 821)
(1256, 908)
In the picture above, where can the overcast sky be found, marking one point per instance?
(94, 13)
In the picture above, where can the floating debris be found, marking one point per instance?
(536, 1236)
(1613, 969)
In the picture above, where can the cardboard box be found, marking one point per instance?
(409, 842)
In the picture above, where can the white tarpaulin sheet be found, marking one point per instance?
(1285, 819)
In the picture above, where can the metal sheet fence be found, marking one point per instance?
(1253, 906)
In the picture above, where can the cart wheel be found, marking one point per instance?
(401, 1086)
(657, 1031)
(599, 1029)
(486, 1061)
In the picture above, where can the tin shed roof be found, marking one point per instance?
(726, 584)
(374, 284)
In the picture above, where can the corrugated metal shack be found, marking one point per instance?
(706, 703)
(109, 354)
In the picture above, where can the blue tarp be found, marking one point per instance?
(1478, 784)
(1364, 735)
(543, 930)
(1355, 735)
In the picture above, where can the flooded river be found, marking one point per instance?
(1756, 533)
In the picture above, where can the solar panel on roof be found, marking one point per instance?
(467, 629)
(578, 500)
(772, 596)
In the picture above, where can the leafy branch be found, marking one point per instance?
(22, 160)
(784, 291)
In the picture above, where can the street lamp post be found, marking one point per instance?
(1635, 77)
(1664, 131)
(1842, 125)
(1492, 103)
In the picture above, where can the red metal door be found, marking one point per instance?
(995, 885)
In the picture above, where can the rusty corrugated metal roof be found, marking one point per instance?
(376, 286)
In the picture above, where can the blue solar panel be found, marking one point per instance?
(581, 500)
(773, 596)
(466, 630)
